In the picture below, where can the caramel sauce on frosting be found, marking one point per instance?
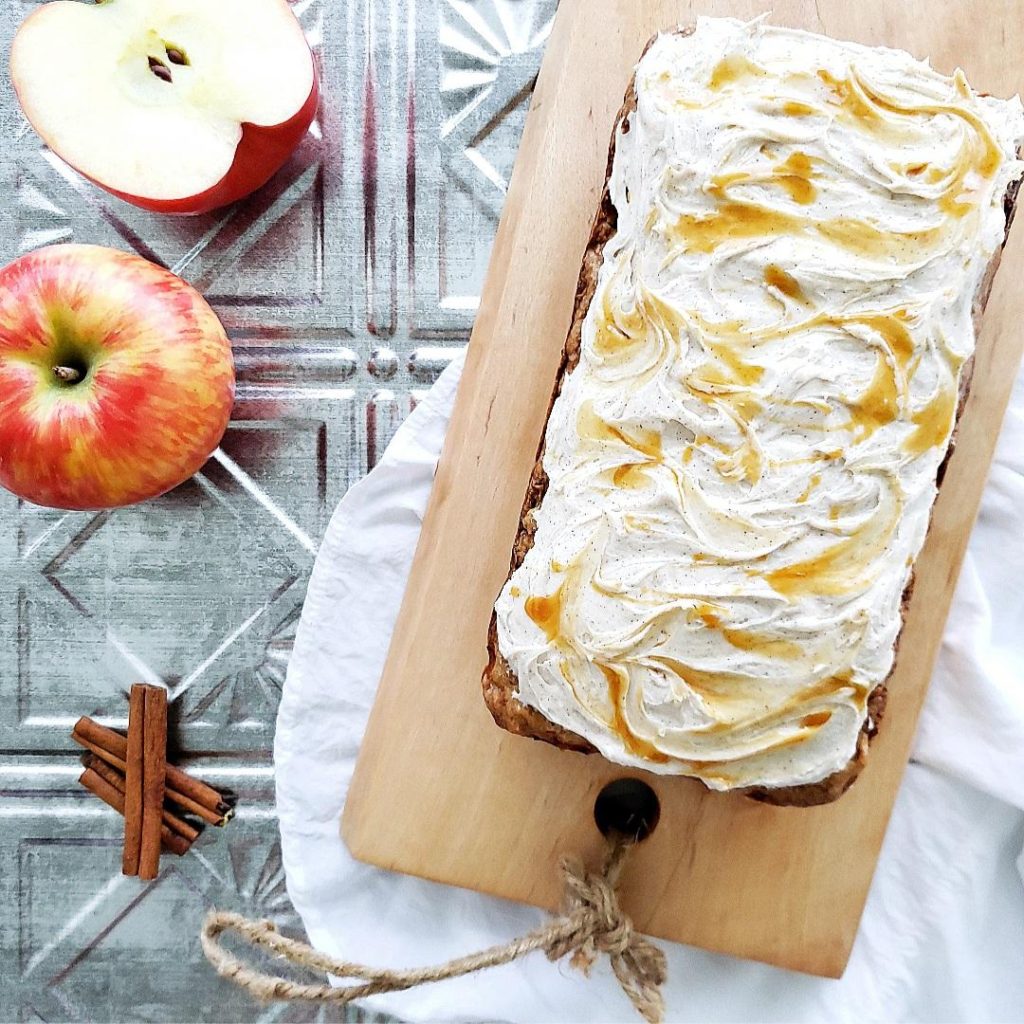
(776, 277)
(546, 614)
(742, 466)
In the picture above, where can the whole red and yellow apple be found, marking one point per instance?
(178, 106)
(116, 378)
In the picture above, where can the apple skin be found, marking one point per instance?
(261, 153)
(156, 380)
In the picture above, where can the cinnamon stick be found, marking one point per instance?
(171, 795)
(187, 792)
(116, 779)
(154, 772)
(100, 752)
(134, 782)
(218, 816)
(113, 797)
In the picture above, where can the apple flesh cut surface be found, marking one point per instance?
(116, 378)
(178, 106)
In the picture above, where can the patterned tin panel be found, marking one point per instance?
(346, 285)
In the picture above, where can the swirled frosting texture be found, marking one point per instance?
(742, 466)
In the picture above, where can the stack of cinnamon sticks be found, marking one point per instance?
(131, 774)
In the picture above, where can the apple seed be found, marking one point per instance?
(176, 56)
(67, 374)
(161, 70)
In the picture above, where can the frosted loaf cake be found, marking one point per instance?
(772, 338)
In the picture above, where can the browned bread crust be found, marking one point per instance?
(500, 685)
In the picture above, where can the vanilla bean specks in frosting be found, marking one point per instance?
(742, 466)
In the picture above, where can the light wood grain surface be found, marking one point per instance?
(439, 790)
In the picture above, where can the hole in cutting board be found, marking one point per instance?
(628, 806)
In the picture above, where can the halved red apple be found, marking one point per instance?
(178, 106)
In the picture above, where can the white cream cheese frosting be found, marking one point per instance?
(742, 465)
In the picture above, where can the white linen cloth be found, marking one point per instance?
(942, 936)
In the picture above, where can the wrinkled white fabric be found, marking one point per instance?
(942, 936)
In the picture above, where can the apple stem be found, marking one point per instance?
(67, 374)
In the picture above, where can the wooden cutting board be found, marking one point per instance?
(439, 790)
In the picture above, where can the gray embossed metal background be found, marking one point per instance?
(346, 285)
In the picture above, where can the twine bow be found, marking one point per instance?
(591, 923)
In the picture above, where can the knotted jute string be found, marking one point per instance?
(592, 922)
